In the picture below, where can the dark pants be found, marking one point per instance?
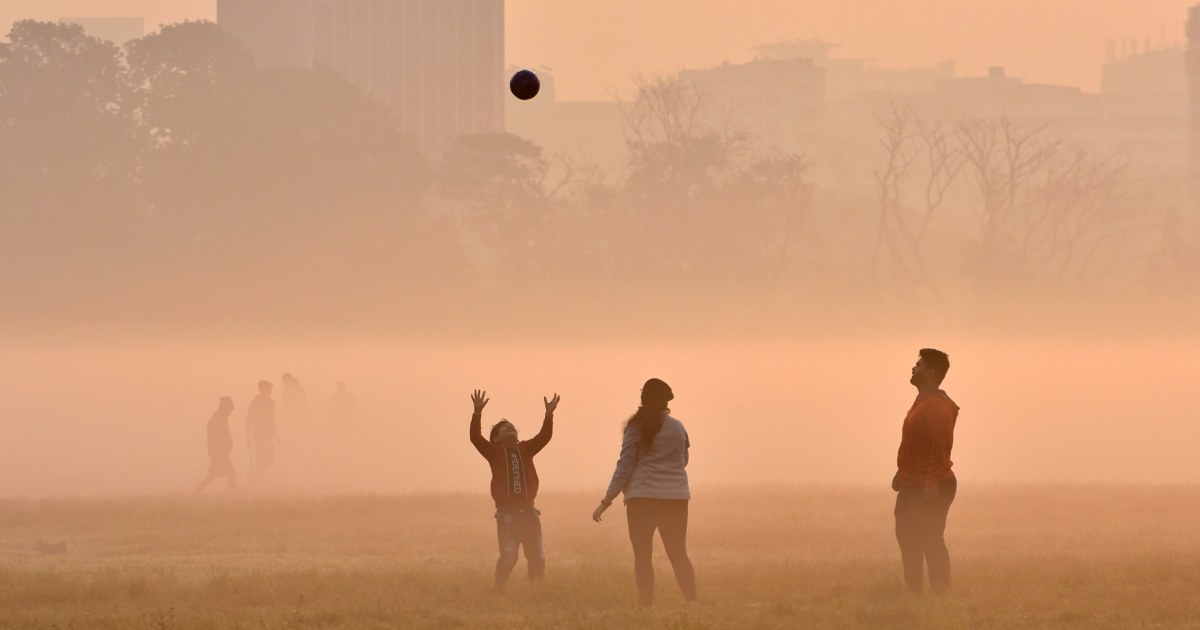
(519, 528)
(920, 530)
(670, 518)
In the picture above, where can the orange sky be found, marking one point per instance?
(595, 46)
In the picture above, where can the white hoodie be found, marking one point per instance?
(659, 472)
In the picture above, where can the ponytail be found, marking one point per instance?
(649, 421)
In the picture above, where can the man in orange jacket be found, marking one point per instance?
(924, 483)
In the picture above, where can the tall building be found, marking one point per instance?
(583, 132)
(1145, 104)
(439, 64)
(1193, 70)
(117, 30)
(849, 78)
(279, 32)
(778, 101)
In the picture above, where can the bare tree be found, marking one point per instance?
(677, 137)
(1047, 208)
(1002, 158)
(1176, 264)
(900, 151)
(1075, 209)
(683, 151)
(900, 240)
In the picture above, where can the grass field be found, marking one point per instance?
(1024, 557)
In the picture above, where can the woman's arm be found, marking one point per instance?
(625, 464)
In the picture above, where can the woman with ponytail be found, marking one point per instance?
(652, 472)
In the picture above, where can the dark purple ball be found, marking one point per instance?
(524, 85)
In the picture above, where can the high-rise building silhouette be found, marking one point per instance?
(1145, 105)
(279, 32)
(1193, 69)
(439, 64)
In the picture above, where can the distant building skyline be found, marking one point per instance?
(776, 99)
(596, 46)
(439, 64)
(1193, 69)
(1145, 99)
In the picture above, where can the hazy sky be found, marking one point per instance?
(595, 46)
(768, 397)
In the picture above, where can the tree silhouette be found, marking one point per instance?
(64, 129)
(65, 168)
(918, 150)
(515, 199)
(683, 151)
(292, 174)
(1050, 212)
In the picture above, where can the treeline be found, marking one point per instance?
(173, 176)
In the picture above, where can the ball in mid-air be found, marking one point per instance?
(524, 85)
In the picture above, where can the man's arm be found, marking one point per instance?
(479, 400)
(539, 441)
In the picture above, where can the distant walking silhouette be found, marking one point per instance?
(343, 411)
(924, 484)
(652, 472)
(294, 411)
(220, 446)
(514, 487)
(261, 434)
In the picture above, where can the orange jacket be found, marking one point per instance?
(926, 440)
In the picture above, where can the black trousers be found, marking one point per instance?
(670, 518)
(920, 530)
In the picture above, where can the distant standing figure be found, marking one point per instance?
(514, 487)
(261, 435)
(343, 410)
(924, 483)
(220, 446)
(294, 412)
(652, 472)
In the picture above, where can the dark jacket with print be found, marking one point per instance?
(514, 477)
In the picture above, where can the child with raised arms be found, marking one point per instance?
(514, 487)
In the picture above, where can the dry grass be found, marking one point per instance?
(1025, 557)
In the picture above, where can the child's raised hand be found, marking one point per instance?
(551, 404)
(479, 399)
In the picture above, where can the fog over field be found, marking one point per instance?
(127, 417)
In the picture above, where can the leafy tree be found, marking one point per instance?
(293, 173)
(70, 217)
(66, 134)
